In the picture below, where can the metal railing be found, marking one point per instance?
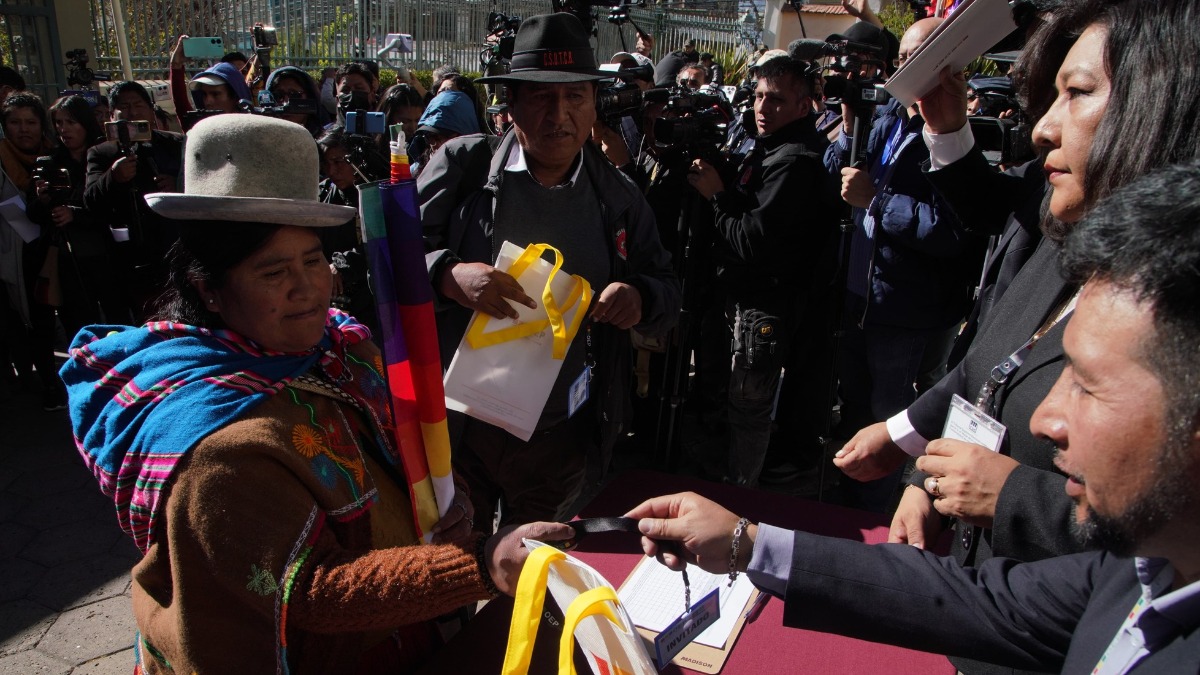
(317, 33)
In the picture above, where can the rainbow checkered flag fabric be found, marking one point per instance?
(391, 224)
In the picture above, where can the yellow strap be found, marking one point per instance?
(589, 603)
(527, 609)
(562, 334)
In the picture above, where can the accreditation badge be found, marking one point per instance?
(966, 422)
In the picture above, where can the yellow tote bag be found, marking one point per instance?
(592, 616)
(504, 369)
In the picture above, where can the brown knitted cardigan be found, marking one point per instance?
(267, 558)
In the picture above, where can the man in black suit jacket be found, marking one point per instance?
(118, 180)
(1124, 418)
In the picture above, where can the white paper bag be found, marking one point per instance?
(592, 617)
(503, 370)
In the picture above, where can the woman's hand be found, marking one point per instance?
(916, 523)
(965, 479)
(870, 455)
(703, 527)
(458, 522)
(505, 554)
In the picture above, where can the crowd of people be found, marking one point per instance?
(225, 347)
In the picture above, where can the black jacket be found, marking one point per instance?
(89, 236)
(124, 204)
(990, 203)
(773, 224)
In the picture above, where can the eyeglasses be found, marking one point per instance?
(689, 83)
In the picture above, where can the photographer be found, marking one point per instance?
(450, 114)
(341, 244)
(119, 177)
(766, 249)
(221, 87)
(288, 84)
(22, 116)
(84, 241)
(911, 267)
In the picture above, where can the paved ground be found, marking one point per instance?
(64, 562)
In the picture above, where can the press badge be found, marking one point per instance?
(687, 627)
(580, 390)
(967, 423)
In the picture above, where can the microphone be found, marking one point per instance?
(808, 49)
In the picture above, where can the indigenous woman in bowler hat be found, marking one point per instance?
(243, 435)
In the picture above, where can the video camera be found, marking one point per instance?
(264, 37)
(57, 177)
(1000, 127)
(78, 74)
(585, 11)
(846, 86)
(694, 123)
(624, 97)
(1003, 141)
(295, 106)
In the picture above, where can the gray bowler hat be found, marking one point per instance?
(249, 168)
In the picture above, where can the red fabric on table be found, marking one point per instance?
(765, 646)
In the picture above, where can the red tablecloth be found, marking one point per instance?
(765, 646)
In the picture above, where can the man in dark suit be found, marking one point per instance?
(119, 176)
(1124, 418)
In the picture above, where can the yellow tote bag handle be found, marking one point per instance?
(581, 292)
(589, 603)
(527, 609)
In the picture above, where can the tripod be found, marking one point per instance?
(673, 392)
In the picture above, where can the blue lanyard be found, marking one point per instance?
(893, 142)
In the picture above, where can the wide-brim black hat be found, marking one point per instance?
(552, 48)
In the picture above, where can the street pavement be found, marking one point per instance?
(64, 562)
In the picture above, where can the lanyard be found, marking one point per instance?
(893, 142)
(1004, 370)
(1127, 646)
(589, 359)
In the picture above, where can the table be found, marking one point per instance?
(765, 646)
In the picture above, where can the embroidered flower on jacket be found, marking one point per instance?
(325, 471)
(307, 440)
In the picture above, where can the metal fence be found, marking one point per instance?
(317, 33)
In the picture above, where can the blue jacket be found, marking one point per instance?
(910, 259)
(231, 75)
